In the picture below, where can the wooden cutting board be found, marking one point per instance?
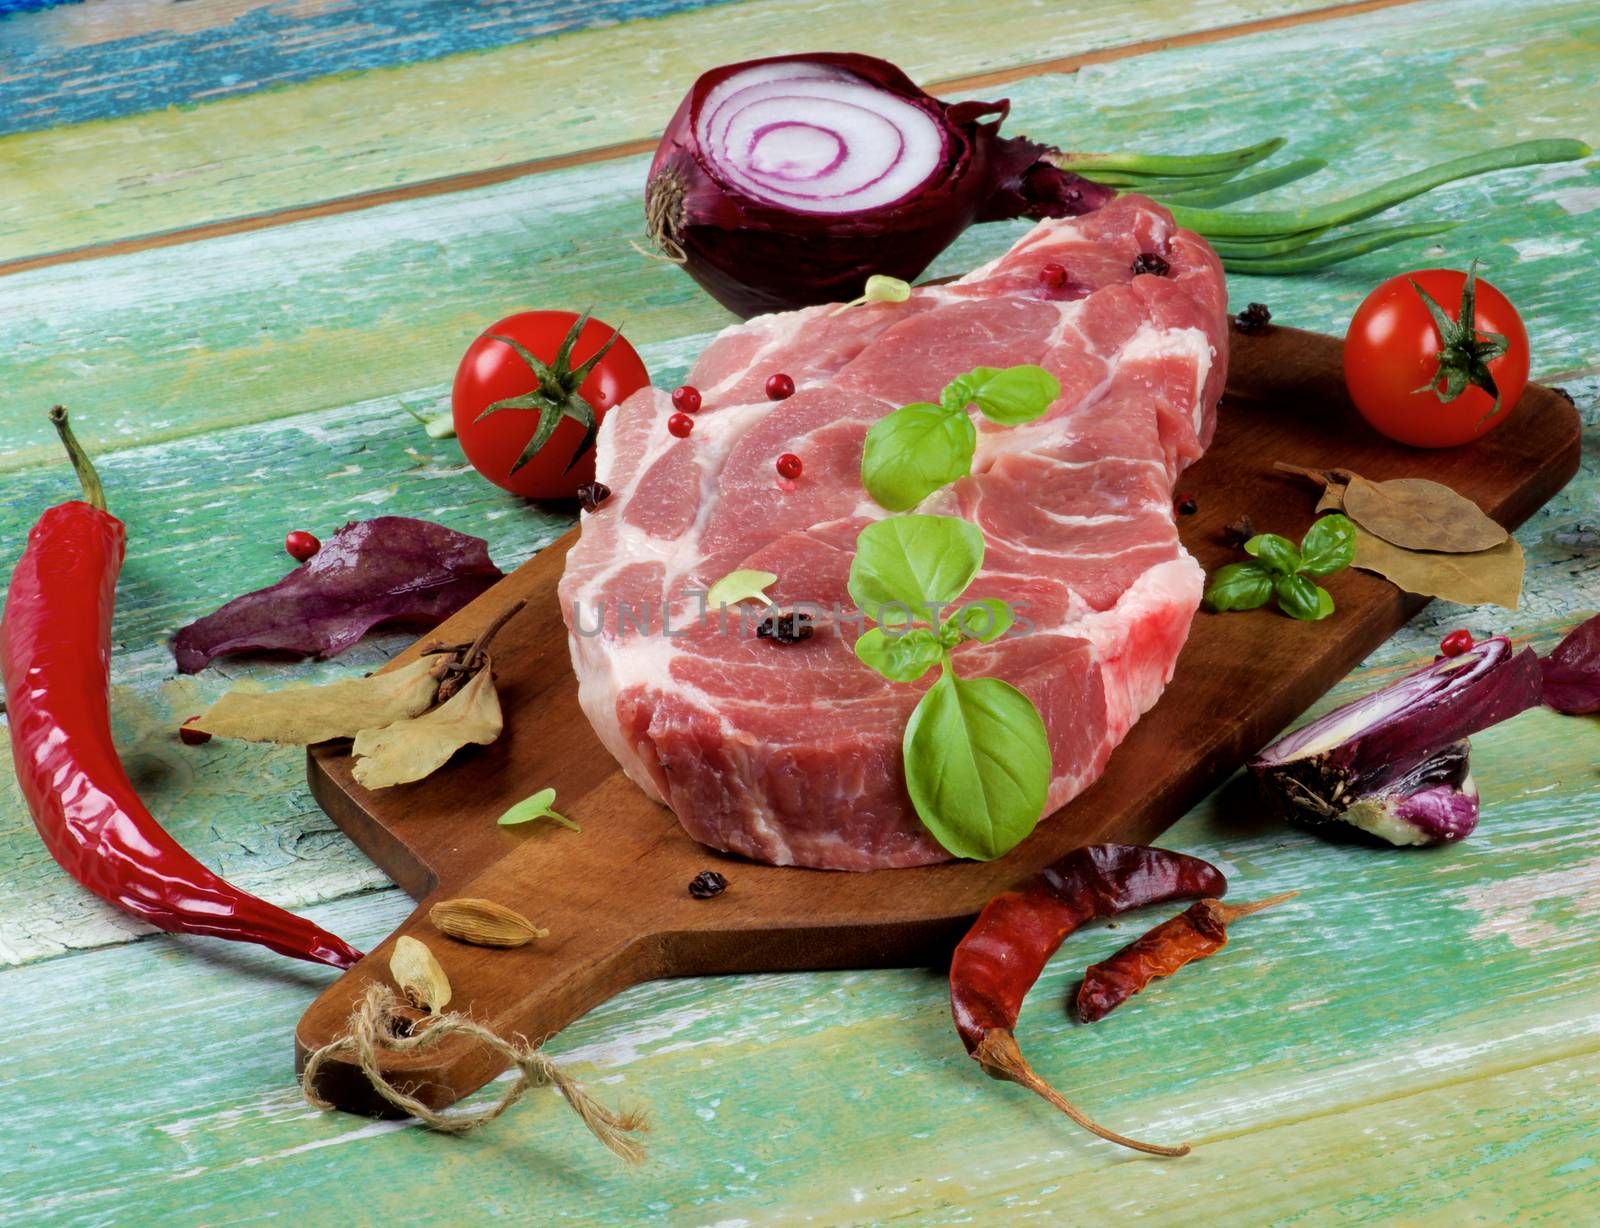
(615, 897)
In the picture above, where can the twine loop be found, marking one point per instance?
(377, 1027)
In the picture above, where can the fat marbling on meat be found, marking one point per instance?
(790, 753)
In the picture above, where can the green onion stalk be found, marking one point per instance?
(1195, 187)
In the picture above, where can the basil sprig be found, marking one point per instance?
(920, 447)
(977, 759)
(1285, 571)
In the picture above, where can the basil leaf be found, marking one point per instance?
(1239, 586)
(1278, 553)
(985, 620)
(900, 658)
(913, 452)
(1016, 394)
(977, 764)
(739, 586)
(1301, 598)
(1329, 546)
(536, 807)
(924, 562)
(958, 393)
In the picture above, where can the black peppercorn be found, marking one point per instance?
(1239, 532)
(1187, 506)
(785, 628)
(1253, 318)
(1149, 262)
(593, 495)
(706, 884)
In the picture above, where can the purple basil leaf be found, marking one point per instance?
(386, 570)
(1572, 671)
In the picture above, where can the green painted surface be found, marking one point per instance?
(327, 312)
(368, 131)
(1416, 1039)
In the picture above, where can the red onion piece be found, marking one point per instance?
(788, 181)
(1572, 671)
(1434, 803)
(1395, 762)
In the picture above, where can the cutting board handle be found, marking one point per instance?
(524, 994)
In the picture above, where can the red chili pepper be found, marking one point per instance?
(55, 653)
(1200, 930)
(1016, 933)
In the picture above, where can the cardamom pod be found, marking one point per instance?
(419, 976)
(483, 923)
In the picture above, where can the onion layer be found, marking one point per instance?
(1572, 671)
(789, 181)
(1394, 763)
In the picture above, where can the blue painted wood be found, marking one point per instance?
(73, 63)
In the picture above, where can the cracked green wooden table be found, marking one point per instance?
(242, 239)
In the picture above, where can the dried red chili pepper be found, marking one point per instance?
(1198, 931)
(55, 654)
(1017, 932)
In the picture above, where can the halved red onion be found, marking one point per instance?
(1394, 763)
(789, 181)
(815, 138)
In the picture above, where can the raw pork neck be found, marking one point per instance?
(790, 753)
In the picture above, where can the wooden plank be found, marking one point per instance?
(342, 309)
(472, 111)
(245, 809)
(1416, 1034)
(72, 63)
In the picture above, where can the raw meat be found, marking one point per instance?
(790, 753)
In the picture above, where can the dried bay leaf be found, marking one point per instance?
(301, 715)
(1486, 577)
(1420, 515)
(1414, 513)
(410, 749)
(419, 976)
(1332, 498)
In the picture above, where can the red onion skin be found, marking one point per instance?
(1501, 688)
(1433, 803)
(1409, 766)
(1572, 671)
(753, 256)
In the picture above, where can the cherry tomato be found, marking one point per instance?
(492, 371)
(1395, 347)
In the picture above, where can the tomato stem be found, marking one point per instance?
(1463, 358)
